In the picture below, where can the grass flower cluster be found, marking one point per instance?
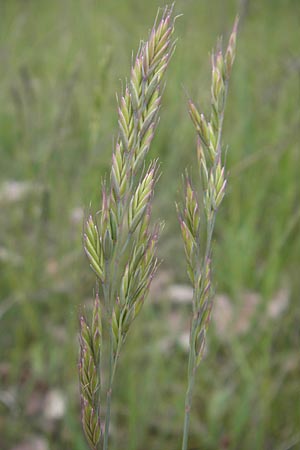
(198, 214)
(120, 242)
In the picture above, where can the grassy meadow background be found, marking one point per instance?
(61, 64)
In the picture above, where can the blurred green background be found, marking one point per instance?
(61, 64)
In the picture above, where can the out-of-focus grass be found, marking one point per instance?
(61, 65)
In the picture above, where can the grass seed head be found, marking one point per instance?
(213, 183)
(121, 247)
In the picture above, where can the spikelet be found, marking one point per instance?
(89, 374)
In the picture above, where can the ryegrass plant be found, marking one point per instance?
(198, 215)
(246, 387)
(120, 242)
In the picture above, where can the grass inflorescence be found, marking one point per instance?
(120, 242)
(198, 215)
